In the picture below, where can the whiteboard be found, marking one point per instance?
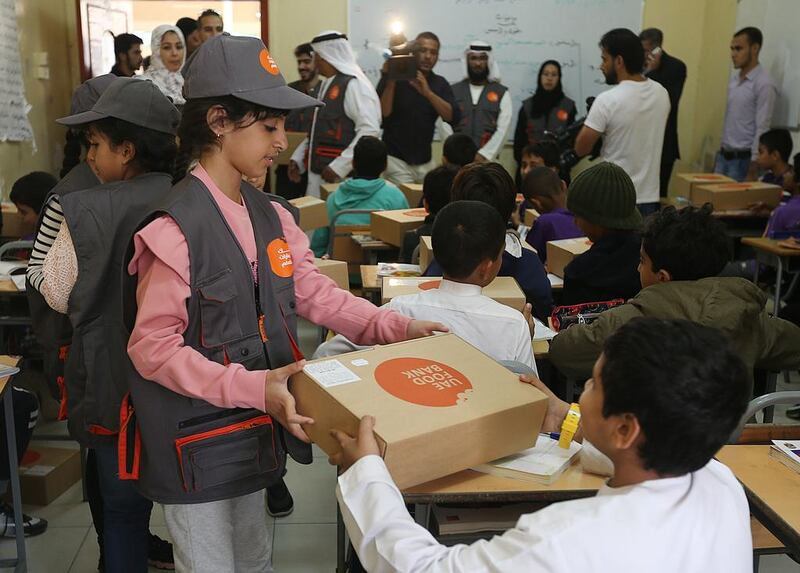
(523, 34)
(14, 124)
(780, 54)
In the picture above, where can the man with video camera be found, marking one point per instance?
(631, 117)
(410, 109)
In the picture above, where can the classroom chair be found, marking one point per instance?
(14, 246)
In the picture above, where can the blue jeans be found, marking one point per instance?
(733, 168)
(648, 208)
(126, 517)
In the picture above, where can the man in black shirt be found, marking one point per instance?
(128, 55)
(670, 72)
(410, 110)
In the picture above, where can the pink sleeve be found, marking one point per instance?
(322, 302)
(156, 346)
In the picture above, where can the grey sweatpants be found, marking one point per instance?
(221, 536)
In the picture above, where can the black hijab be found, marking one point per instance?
(543, 100)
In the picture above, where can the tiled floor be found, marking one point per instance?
(304, 542)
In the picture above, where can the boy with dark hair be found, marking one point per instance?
(366, 190)
(787, 216)
(490, 183)
(28, 194)
(435, 195)
(545, 190)
(458, 150)
(127, 55)
(664, 397)
(468, 241)
(603, 200)
(774, 151)
(539, 154)
(682, 253)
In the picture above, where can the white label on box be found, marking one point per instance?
(359, 362)
(38, 470)
(330, 373)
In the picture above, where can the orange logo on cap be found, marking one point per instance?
(268, 63)
(492, 97)
(562, 115)
(423, 381)
(333, 93)
(280, 258)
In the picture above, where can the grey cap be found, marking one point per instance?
(243, 68)
(139, 102)
(87, 94)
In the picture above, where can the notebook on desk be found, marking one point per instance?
(543, 463)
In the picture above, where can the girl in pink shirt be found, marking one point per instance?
(233, 124)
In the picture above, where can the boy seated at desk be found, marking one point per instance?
(545, 190)
(365, 190)
(682, 252)
(785, 218)
(603, 200)
(28, 194)
(774, 151)
(468, 240)
(539, 154)
(458, 150)
(490, 183)
(664, 397)
(435, 195)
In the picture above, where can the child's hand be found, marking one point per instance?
(422, 328)
(353, 449)
(759, 208)
(527, 312)
(556, 407)
(280, 403)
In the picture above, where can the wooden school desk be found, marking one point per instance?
(772, 489)
(770, 253)
(19, 563)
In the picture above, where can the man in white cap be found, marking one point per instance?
(352, 109)
(484, 102)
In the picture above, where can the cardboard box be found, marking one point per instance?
(425, 252)
(560, 253)
(313, 212)
(294, 138)
(413, 192)
(686, 182)
(733, 196)
(391, 226)
(13, 226)
(530, 217)
(46, 473)
(327, 189)
(337, 270)
(440, 405)
(504, 290)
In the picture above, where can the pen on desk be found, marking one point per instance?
(552, 435)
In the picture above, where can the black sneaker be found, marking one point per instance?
(279, 500)
(30, 525)
(160, 554)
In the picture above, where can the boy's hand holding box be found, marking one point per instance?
(440, 405)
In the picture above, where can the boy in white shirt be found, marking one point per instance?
(663, 398)
(469, 239)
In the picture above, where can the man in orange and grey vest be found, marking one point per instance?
(352, 109)
(484, 103)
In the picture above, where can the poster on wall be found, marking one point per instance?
(14, 124)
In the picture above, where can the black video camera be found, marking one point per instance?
(565, 139)
(401, 58)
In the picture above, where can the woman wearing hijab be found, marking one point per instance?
(168, 54)
(548, 109)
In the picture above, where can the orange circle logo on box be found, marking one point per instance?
(280, 258)
(562, 115)
(423, 381)
(420, 212)
(429, 285)
(493, 97)
(268, 63)
(333, 93)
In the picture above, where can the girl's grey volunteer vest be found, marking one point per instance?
(102, 221)
(53, 329)
(333, 131)
(554, 120)
(193, 451)
(479, 121)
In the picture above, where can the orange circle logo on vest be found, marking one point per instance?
(562, 115)
(280, 258)
(493, 97)
(268, 63)
(429, 285)
(423, 381)
(333, 93)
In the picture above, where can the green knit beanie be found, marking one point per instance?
(604, 195)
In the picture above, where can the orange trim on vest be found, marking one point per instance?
(63, 352)
(62, 404)
(262, 329)
(98, 430)
(126, 414)
(328, 151)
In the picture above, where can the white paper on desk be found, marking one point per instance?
(19, 282)
(542, 332)
(6, 371)
(554, 280)
(330, 373)
(7, 268)
(545, 458)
